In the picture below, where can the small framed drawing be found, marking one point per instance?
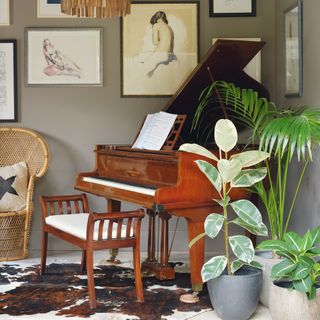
(4, 13)
(63, 56)
(8, 81)
(253, 68)
(232, 8)
(293, 50)
(159, 47)
(50, 9)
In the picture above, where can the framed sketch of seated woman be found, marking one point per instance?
(159, 42)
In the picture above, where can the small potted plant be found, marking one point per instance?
(233, 284)
(295, 293)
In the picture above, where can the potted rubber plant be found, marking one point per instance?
(295, 293)
(233, 283)
(286, 134)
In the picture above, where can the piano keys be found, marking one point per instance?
(168, 182)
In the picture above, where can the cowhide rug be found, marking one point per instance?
(62, 293)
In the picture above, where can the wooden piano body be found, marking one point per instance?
(168, 182)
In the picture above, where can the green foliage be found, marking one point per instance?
(300, 264)
(282, 133)
(230, 173)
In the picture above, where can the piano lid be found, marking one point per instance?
(225, 60)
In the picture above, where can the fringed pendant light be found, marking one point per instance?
(96, 8)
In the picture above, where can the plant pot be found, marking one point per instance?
(286, 304)
(267, 261)
(236, 297)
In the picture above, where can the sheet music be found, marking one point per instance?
(155, 131)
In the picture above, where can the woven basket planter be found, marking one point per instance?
(19, 144)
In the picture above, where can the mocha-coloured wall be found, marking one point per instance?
(306, 213)
(73, 120)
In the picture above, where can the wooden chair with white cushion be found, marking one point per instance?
(68, 218)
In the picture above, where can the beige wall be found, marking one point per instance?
(306, 214)
(73, 120)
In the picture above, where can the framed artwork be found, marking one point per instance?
(293, 50)
(4, 13)
(50, 9)
(63, 56)
(253, 68)
(232, 8)
(8, 81)
(159, 47)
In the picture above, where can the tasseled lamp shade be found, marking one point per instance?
(96, 8)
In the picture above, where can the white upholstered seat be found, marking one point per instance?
(76, 224)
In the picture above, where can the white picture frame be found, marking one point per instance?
(4, 13)
(45, 9)
(253, 68)
(8, 81)
(63, 57)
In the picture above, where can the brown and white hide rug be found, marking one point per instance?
(62, 294)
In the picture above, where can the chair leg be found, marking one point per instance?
(137, 273)
(83, 261)
(90, 276)
(44, 247)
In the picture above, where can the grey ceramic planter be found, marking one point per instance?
(236, 297)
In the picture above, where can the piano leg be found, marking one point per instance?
(196, 254)
(113, 206)
(162, 270)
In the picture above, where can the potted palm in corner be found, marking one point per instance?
(233, 284)
(295, 294)
(286, 135)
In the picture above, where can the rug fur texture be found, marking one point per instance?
(62, 293)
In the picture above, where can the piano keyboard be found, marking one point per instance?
(119, 185)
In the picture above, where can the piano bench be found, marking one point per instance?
(68, 218)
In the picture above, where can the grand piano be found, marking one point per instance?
(168, 182)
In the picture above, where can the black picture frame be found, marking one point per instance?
(224, 8)
(126, 24)
(293, 77)
(8, 81)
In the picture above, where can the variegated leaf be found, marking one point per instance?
(223, 202)
(225, 135)
(260, 230)
(247, 211)
(251, 157)
(229, 169)
(197, 149)
(236, 265)
(196, 239)
(274, 245)
(211, 173)
(213, 268)
(293, 239)
(242, 247)
(247, 178)
(303, 285)
(213, 224)
(282, 268)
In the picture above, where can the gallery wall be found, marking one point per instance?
(306, 213)
(74, 120)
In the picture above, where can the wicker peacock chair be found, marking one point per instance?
(16, 145)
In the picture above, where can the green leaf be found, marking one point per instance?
(247, 178)
(260, 230)
(274, 245)
(303, 285)
(228, 169)
(197, 238)
(197, 149)
(300, 272)
(256, 265)
(282, 269)
(307, 241)
(213, 268)
(315, 251)
(225, 135)
(251, 157)
(213, 224)
(211, 173)
(315, 236)
(248, 212)
(293, 239)
(236, 265)
(242, 247)
(316, 268)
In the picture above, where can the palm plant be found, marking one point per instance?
(282, 133)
